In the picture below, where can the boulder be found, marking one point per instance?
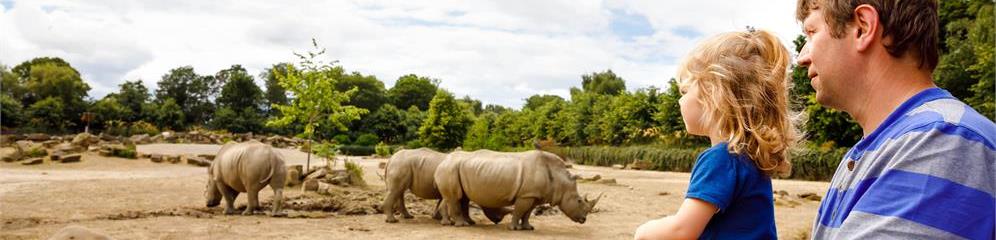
(198, 161)
(293, 177)
(607, 181)
(71, 158)
(640, 165)
(68, 148)
(618, 166)
(207, 156)
(33, 161)
(140, 139)
(28, 149)
(155, 157)
(173, 159)
(37, 137)
(317, 174)
(84, 140)
(310, 185)
(6, 140)
(810, 196)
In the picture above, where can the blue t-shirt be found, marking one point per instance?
(741, 192)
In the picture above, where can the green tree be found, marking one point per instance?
(603, 83)
(169, 115)
(412, 90)
(11, 112)
(370, 92)
(535, 101)
(192, 92)
(471, 104)
(10, 84)
(446, 124)
(109, 109)
(133, 95)
(44, 78)
(47, 115)
(316, 100)
(483, 134)
(240, 104)
(966, 67)
(275, 94)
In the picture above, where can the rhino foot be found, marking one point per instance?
(461, 224)
(516, 227)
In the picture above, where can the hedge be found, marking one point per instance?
(808, 163)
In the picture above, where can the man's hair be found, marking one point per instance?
(911, 25)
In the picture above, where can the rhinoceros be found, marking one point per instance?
(246, 168)
(414, 170)
(494, 180)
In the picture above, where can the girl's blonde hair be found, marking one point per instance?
(744, 84)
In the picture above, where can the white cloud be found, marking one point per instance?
(497, 51)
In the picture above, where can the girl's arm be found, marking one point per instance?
(688, 223)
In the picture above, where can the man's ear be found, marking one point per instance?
(867, 23)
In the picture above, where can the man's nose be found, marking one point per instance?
(804, 58)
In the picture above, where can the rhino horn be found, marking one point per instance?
(593, 202)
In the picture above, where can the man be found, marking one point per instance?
(926, 166)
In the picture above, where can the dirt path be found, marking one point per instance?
(138, 199)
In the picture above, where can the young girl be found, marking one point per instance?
(734, 91)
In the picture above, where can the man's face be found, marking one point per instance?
(831, 62)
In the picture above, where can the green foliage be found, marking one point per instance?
(816, 162)
(341, 139)
(966, 67)
(240, 106)
(45, 78)
(48, 115)
(11, 111)
(357, 150)
(191, 92)
(316, 101)
(355, 173)
(109, 109)
(366, 139)
(370, 92)
(36, 152)
(822, 124)
(133, 95)
(142, 127)
(446, 124)
(483, 135)
(128, 152)
(391, 124)
(412, 90)
(383, 150)
(606, 83)
(169, 115)
(663, 158)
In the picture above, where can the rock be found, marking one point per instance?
(155, 157)
(78, 233)
(382, 165)
(618, 166)
(663, 193)
(297, 167)
(33, 161)
(84, 140)
(310, 185)
(50, 143)
(28, 149)
(317, 174)
(589, 179)
(71, 158)
(6, 140)
(781, 193)
(198, 161)
(173, 159)
(140, 139)
(38, 137)
(104, 152)
(640, 165)
(207, 156)
(811, 197)
(607, 181)
(324, 187)
(293, 177)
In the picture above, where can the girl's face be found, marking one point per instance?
(691, 110)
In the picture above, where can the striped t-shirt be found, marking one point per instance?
(927, 172)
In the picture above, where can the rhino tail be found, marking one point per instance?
(273, 168)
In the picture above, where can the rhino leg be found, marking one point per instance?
(229, 194)
(520, 216)
(456, 213)
(495, 214)
(437, 215)
(393, 201)
(278, 202)
(465, 209)
(253, 193)
(403, 209)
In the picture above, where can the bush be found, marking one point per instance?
(342, 139)
(356, 150)
(383, 150)
(663, 158)
(367, 139)
(128, 152)
(414, 144)
(36, 152)
(808, 162)
(115, 128)
(142, 127)
(355, 174)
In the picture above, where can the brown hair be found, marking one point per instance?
(743, 78)
(911, 25)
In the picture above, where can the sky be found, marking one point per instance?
(499, 52)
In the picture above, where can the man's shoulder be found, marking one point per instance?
(946, 117)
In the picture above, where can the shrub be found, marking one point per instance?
(142, 127)
(355, 173)
(342, 139)
(383, 150)
(356, 150)
(366, 139)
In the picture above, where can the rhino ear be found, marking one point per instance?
(537, 145)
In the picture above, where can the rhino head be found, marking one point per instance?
(574, 206)
(211, 192)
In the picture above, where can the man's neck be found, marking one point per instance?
(889, 87)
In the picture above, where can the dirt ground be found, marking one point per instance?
(139, 199)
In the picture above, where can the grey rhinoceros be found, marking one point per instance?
(414, 170)
(495, 180)
(246, 168)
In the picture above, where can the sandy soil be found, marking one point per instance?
(139, 199)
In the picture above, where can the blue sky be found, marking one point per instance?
(500, 52)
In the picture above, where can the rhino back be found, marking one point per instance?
(245, 164)
(493, 179)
